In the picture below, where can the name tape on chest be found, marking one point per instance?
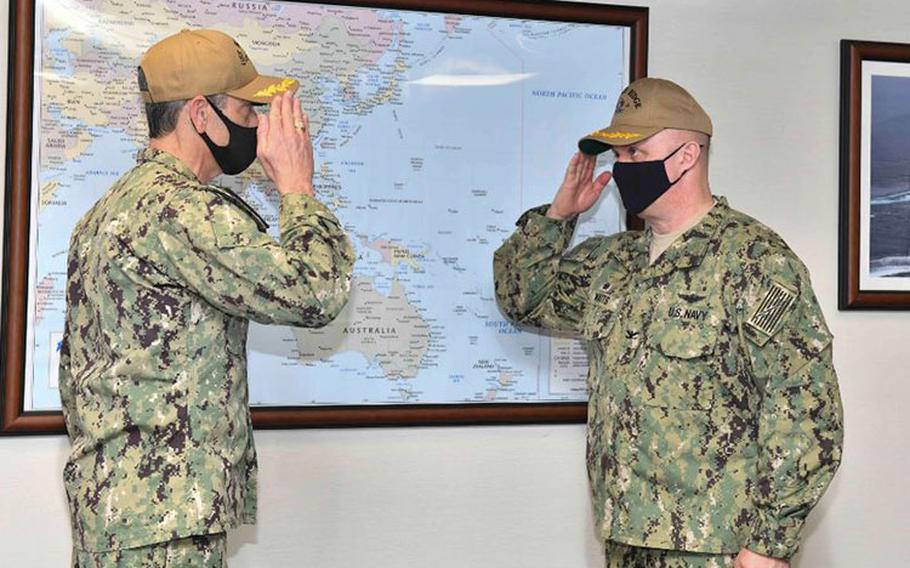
(684, 313)
(769, 315)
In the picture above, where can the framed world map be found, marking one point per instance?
(435, 125)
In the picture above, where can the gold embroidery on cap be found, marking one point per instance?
(275, 88)
(612, 135)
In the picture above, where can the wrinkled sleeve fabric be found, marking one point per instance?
(216, 250)
(800, 425)
(537, 281)
(65, 382)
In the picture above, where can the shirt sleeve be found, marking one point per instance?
(800, 424)
(537, 282)
(215, 249)
(65, 383)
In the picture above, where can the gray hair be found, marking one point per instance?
(162, 117)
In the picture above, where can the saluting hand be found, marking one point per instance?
(579, 190)
(283, 146)
(748, 559)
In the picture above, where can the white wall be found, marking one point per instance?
(504, 497)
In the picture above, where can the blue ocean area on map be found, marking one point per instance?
(444, 173)
(428, 147)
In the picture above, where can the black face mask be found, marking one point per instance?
(642, 183)
(240, 151)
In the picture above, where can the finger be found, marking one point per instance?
(287, 114)
(296, 112)
(570, 168)
(589, 164)
(300, 118)
(592, 192)
(577, 163)
(262, 135)
(306, 129)
(275, 116)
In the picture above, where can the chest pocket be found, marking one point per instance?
(599, 322)
(680, 369)
(604, 306)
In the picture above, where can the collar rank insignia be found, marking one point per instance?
(768, 317)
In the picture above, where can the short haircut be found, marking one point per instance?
(162, 117)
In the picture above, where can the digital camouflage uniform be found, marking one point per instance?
(714, 418)
(203, 551)
(164, 274)
(623, 556)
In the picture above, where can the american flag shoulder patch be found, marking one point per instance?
(769, 315)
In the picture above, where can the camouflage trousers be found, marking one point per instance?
(623, 556)
(203, 551)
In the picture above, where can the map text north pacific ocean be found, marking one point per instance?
(432, 134)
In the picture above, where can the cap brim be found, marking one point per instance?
(263, 89)
(604, 139)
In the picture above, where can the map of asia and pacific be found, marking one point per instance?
(432, 134)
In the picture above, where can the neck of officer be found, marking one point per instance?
(690, 198)
(186, 145)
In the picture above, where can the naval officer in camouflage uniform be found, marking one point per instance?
(714, 420)
(165, 272)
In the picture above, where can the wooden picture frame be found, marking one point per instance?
(874, 246)
(15, 286)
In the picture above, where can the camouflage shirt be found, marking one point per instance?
(714, 418)
(164, 274)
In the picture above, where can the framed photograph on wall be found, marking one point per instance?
(874, 176)
(435, 124)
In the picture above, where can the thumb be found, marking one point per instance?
(602, 180)
(262, 138)
(262, 135)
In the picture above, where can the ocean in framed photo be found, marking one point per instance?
(889, 239)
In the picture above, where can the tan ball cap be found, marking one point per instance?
(204, 62)
(644, 108)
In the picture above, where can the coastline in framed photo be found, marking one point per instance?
(875, 176)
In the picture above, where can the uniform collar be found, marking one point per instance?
(171, 162)
(687, 251)
(167, 160)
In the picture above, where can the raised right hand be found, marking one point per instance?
(579, 190)
(284, 148)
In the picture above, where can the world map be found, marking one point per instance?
(432, 133)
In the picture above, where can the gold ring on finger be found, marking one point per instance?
(299, 125)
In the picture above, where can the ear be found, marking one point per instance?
(690, 153)
(198, 110)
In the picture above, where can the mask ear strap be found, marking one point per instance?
(220, 114)
(672, 183)
(673, 153)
